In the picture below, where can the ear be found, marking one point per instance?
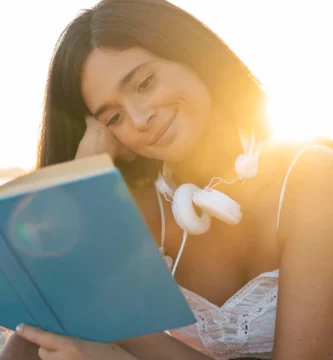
(91, 122)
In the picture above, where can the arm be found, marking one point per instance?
(305, 306)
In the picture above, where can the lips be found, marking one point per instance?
(163, 129)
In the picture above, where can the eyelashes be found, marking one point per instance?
(114, 119)
(146, 83)
(142, 87)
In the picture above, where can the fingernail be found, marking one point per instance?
(19, 328)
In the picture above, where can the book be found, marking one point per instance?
(77, 258)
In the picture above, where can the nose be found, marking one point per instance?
(140, 114)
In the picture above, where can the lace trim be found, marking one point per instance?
(225, 330)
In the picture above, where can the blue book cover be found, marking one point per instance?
(76, 257)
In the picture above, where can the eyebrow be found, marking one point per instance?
(120, 86)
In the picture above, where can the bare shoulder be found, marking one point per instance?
(310, 169)
(306, 267)
(314, 156)
(308, 190)
(279, 161)
(294, 177)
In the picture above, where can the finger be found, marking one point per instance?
(90, 120)
(115, 148)
(46, 354)
(93, 123)
(40, 337)
(109, 143)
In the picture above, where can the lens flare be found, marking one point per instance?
(46, 224)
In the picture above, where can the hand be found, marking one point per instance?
(58, 347)
(98, 139)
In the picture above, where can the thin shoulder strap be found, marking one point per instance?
(160, 203)
(287, 177)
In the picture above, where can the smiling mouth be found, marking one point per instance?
(164, 129)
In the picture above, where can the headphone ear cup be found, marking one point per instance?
(184, 212)
(246, 166)
(218, 205)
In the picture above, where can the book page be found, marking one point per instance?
(58, 174)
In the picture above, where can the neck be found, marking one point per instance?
(215, 156)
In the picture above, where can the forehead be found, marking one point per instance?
(104, 68)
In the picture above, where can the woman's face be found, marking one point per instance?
(157, 108)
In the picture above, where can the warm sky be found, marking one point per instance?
(286, 43)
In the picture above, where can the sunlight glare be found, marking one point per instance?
(286, 44)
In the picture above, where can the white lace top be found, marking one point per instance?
(244, 326)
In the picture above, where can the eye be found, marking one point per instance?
(145, 83)
(115, 118)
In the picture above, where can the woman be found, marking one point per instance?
(158, 87)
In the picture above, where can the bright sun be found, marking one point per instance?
(286, 44)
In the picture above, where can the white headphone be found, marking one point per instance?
(212, 203)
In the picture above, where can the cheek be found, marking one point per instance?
(164, 95)
(127, 136)
(200, 105)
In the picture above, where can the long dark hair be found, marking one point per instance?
(163, 29)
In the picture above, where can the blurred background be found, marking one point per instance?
(286, 43)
